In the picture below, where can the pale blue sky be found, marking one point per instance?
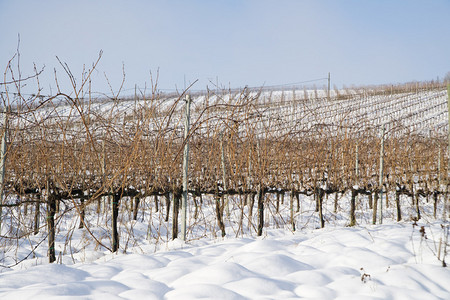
(257, 42)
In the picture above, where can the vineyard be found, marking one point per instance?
(111, 168)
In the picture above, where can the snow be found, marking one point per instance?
(400, 112)
(389, 261)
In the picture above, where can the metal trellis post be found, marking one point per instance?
(185, 168)
(444, 214)
(2, 160)
(383, 129)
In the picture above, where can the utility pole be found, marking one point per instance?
(185, 168)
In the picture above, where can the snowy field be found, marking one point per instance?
(389, 261)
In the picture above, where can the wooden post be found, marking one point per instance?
(397, 202)
(250, 203)
(155, 198)
(51, 210)
(136, 207)
(353, 207)
(291, 209)
(375, 206)
(224, 174)
(82, 213)
(3, 160)
(176, 207)
(194, 198)
(357, 165)
(167, 196)
(336, 202)
(185, 168)
(115, 215)
(219, 213)
(439, 168)
(260, 210)
(241, 215)
(446, 231)
(37, 215)
(320, 194)
(277, 207)
(381, 174)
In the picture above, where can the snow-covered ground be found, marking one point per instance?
(389, 261)
(405, 112)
